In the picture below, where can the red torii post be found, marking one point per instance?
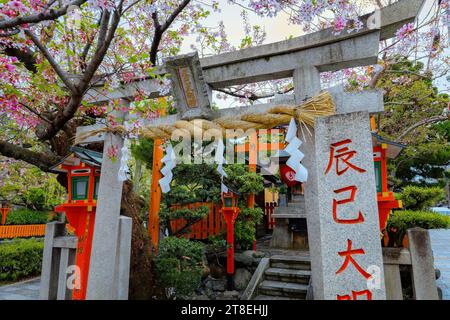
(155, 198)
(155, 190)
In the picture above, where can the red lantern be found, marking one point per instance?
(287, 175)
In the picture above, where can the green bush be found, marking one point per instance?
(244, 234)
(240, 179)
(400, 221)
(26, 216)
(245, 227)
(41, 198)
(421, 198)
(20, 259)
(179, 265)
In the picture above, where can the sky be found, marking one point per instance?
(277, 28)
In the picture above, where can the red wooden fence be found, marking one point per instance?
(211, 225)
(22, 231)
(269, 209)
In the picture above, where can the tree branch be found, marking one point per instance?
(38, 17)
(41, 160)
(174, 15)
(27, 57)
(68, 112)
(422, 123)
(61, 73)
(34, 112)
(160, 29)
(253, 96)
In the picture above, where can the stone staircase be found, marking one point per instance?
(285, 278)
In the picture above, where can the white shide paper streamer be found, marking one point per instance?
(123, 174)
(220, 160)
(294, 143)
(168, 164)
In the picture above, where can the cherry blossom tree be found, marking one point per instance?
(53, 51)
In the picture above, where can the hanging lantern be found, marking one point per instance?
(287, 175)
(229, 200)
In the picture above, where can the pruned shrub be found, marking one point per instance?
(400, 221)
(20, 259)
(421, 198)
(26, 216)
(244, 228)
(179, 265)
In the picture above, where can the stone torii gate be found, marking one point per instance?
(341, 205)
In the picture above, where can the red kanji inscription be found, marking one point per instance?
(342, 155)
(355, 295)
(348, 258)
(351, 198)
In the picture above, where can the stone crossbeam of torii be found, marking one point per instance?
(302, 58)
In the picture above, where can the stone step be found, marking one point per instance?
(283, 289)
(290, 262)
(265, 297)
(288, 275)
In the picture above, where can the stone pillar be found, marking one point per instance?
(106, 228)
(122, 273)
(306, 85)
(423, 274)
(393, 282)
(347, 215)
(50, 261)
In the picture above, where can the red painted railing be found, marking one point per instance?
(211, 225)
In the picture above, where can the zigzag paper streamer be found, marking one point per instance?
(296, 156)
(220, 160)
(168, 164)
(123, 174)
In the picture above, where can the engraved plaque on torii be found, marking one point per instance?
(189, 89)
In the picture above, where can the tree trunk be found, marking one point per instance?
(142, 280)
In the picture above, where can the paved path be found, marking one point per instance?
(440, 243)
(26, 290)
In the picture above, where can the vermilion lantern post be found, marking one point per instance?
(82, 167)
(4, 211)
(230, 211)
